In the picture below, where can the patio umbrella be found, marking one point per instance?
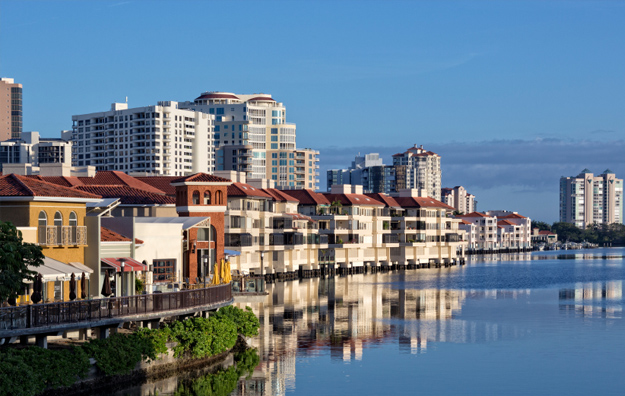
(106, 287)
(72, 287)
(227, 277)
(215, 281)
(83, 286)
(37, 289)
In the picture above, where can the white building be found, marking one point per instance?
(460, 199)
(588, 199)
(35, 150)
(423, 170)
(151, 140)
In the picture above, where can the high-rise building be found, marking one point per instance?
(423, 170)
(588, 199)
(252, 136)
(460, 199)
(35, 150)
(10, 109)
(151, 140)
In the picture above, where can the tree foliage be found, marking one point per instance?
(15, 257)
(613, 234)
(541, 225)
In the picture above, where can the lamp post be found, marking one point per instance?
(205, 271)
(123, 267)
(262, 256)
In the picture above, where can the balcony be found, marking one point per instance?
(62, 236)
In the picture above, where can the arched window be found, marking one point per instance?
(73, 224)
(207, 197)
(218, 198)
(43, 228)
(58, 224)
(196, 197)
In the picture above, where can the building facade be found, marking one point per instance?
(460, 199)
(587, 199)
(151, 140)
(10, 109)
(35, 150)
(423, 170)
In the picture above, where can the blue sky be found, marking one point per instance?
(512, 95)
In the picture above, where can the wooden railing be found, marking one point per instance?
(40, 315)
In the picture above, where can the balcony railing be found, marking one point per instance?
(62, 236)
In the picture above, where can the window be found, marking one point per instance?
(218, 198)
(274, 146)
(164, 270)
(207, 197)
(220, 110)
(73, 223)
(202, 234)
(196, 197)
(43, 223)
(58, 224)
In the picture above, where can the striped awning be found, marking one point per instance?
(130, 264)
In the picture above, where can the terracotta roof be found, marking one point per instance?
(245, 190)
(217, 95)
(163, 183)
(421, 202)
(280, 196)
(545, 232)
(385, 199)
(107, 235)
(473, 214)
(463, 221)
(513, 216)
(261, 98)
(67, 181)
(505, 222)
(353, 199)
(117, 178)
(200, 177)
(129, 195)
(308, 197)
(16, 186)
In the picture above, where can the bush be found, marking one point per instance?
(247, 323)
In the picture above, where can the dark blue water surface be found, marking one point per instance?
(546, 323)
(540, 323)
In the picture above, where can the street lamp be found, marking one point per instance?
(205, 271)
(123, 266)
(262, 256)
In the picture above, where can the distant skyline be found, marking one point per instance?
(512, 95)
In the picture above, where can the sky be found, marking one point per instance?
(511, 94)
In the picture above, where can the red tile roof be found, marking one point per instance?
(67, 181)
(16, 186)
(385, 199)
(245, 190)
(465, 222)
(280, 196)
(217, 95)
(308, 197)
(201, 177)
(473, 214)
(421, 202)
(513, 216)
(505, 222)
(545, 232)
(129, 195)
(162, 183)
(353, 199)
(107, 235)
(117, 178)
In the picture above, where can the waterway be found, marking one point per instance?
(542, 323)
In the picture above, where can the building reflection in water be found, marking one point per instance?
(343, 316)
(593, 299)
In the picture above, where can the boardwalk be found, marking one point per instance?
(57, 318)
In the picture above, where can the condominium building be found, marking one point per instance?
(35, 150)
(423, 170)
(587, 199)
(460, 199)
(496, 229)
(252, 136)
(152, 140)
(10, 109)
(369, 172)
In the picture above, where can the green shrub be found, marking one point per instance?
(247, 323)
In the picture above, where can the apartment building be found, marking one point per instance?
(587, 199)
(423, 170)
(32, 149)
(481, 230)
(496, 229)
(151, 140)
(253, 136)
(370, 172)
(10, 109)
(460, 199)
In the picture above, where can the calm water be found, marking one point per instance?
(541, 323)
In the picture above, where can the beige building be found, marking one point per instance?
(588, 199)
(10, 109)
(423, 170)
(459, 199)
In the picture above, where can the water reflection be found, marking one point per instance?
(343, 316)
(593, 299)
